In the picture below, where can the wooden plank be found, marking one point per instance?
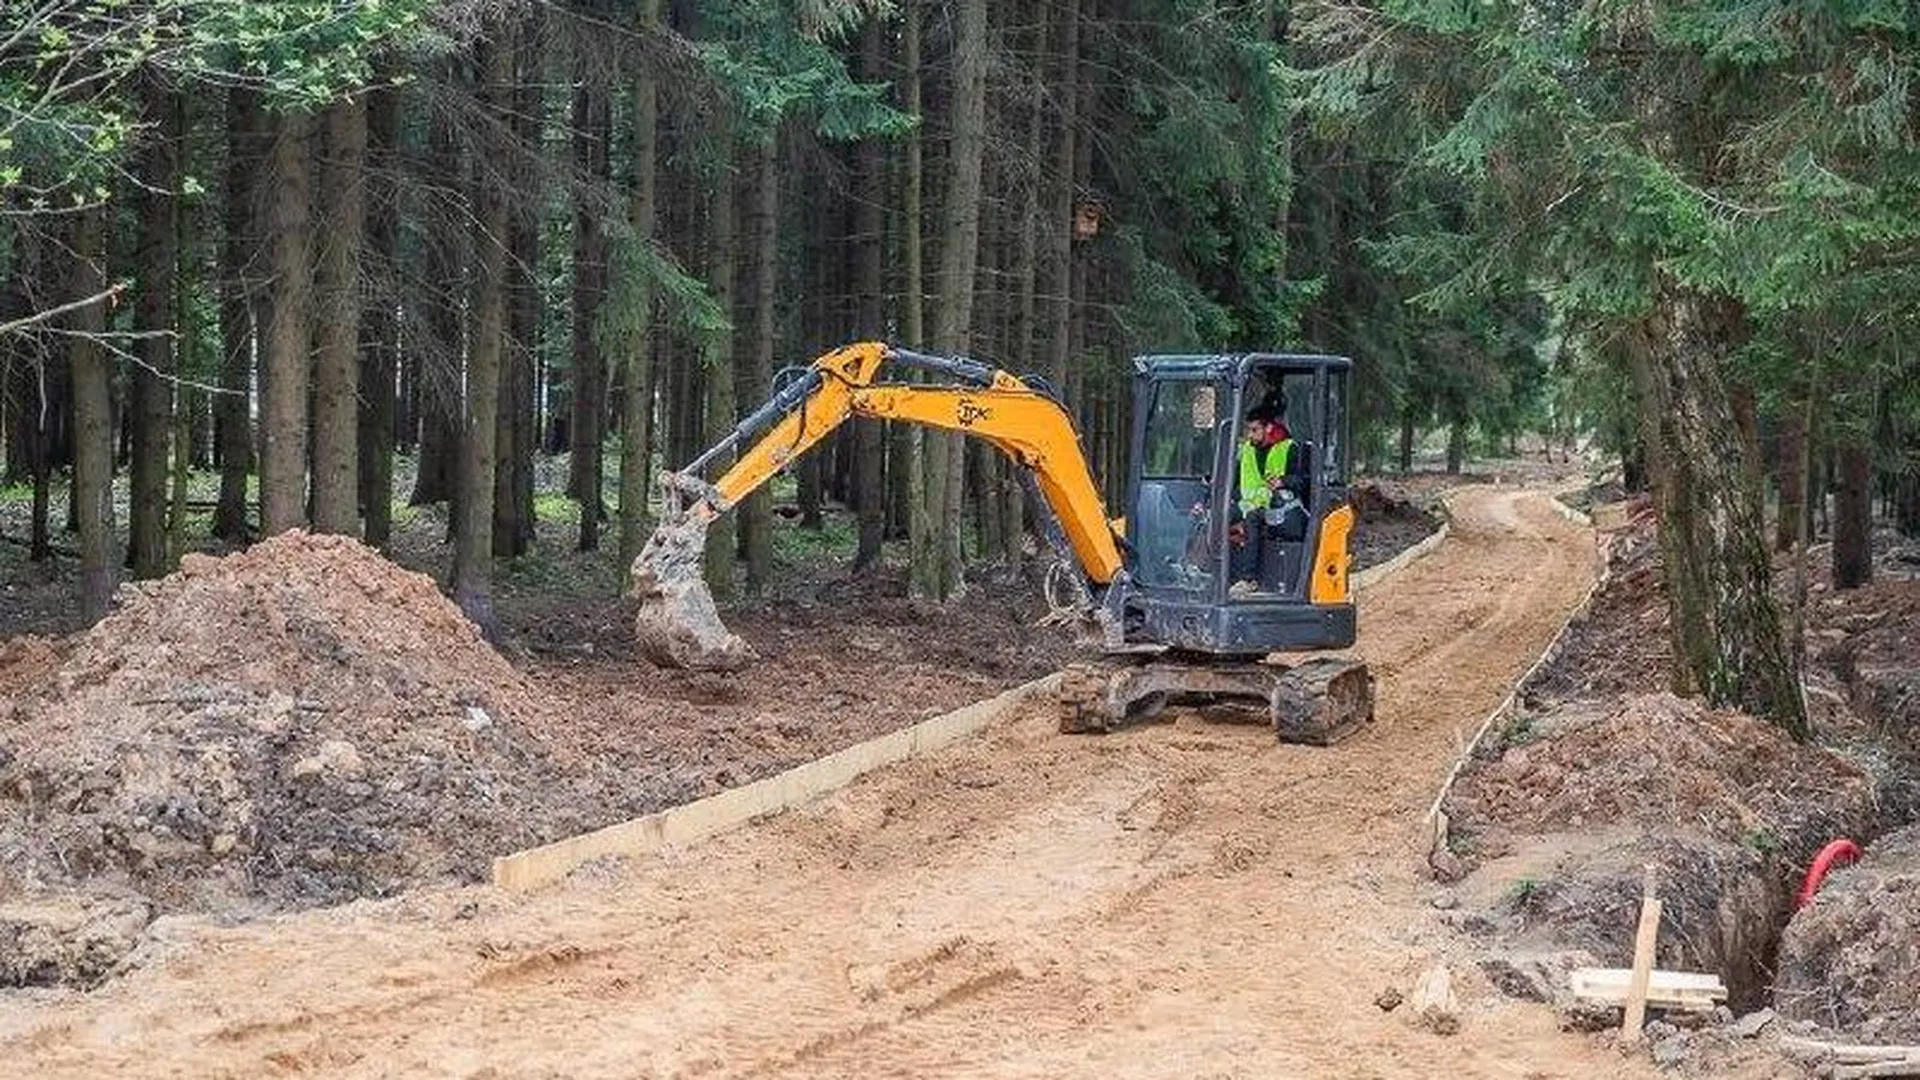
(1851, 1053)
(1616, 980)
(1690, 991)
(734, 807)
(1911, 1067)
(1644, 939)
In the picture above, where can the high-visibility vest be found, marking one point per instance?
(1254, 473)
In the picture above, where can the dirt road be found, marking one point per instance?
(1180, 900)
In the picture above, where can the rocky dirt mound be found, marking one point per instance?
(1659, 761)
(1386, 523)
(1725, 806)
(1620, 645)
(1850, 961)
(297, 724)
(1870, 638)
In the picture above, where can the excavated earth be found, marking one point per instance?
(1850, 961)
(305, 723)
(1592, 779)
(1182, 898)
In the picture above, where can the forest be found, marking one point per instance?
(311, 264)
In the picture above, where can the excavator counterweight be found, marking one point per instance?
(1230, 550)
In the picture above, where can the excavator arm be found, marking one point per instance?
(678, 624)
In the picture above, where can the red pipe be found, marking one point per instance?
(1836, 851)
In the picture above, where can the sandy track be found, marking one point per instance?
(1184, 899)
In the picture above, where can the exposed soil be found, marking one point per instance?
(1850, 961)
(1723, 805)
(1620, 645)
(306, 723)
(1388, 521)
(1591, 780)
(1177, 899)
(300, 723)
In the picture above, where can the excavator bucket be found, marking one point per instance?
(677, 624)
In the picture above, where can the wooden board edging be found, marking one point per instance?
(736, 806)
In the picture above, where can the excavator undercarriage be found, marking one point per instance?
(1318, 701)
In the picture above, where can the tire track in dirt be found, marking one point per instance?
(1180, 899)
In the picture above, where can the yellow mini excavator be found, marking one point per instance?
(1225, 557)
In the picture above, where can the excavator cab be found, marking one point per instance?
(1217, 568)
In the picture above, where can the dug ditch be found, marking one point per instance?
(1592, 778)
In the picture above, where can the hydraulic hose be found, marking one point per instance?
(1836, 851)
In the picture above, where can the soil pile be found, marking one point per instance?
(1620, 646)
(1851, 960)
(300, 723)
(1727, 808)
(1660, 761)
(1870, 638)
(1386, 523)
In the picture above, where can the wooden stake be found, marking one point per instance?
(1644, 940)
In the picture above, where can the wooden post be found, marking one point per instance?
(1644, 940)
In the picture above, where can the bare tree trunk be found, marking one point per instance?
(1456, 446)
(152, 406)
(1056, 233)
(923, 556)
(1727, 635)
(1746, 421)
(233, 421)
(959, 254)
(636, 429)
(379, 345)
(982, 498)
(754, 363)
(1802, 465)
(438, 370)
(1407, 433)
(1790, 473)
(514, 525)
(1026, 275)
(592, 119)
(39, 405)
(336, 366)
(92, 419)
(283, 462)
(192, 262)
(473, 540)
(869, 280)
(722, 254)
(1853, 514)
(439, 435)
(1906, 503)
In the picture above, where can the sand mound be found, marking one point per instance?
(301, 723)
(1850, 961)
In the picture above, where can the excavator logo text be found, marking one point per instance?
(970, 413)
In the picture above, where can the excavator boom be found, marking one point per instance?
(678, 624)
